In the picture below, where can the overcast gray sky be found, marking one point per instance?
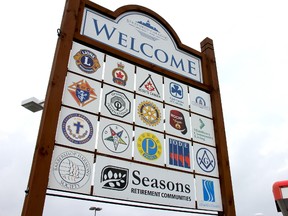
(250, 41)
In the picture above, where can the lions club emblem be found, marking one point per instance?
(87, 61)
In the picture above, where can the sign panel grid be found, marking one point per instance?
(149, 137)
(113, 135)
(103, 119)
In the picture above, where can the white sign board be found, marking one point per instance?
(76, 129)
(136, 182)
(149, 113)
(115, 138)
(176, 93)
(200, 102)
(86, 61)
(202, 130)
(177, 122)
(117, 104)
(71, 170)
(149, 84)
(143, 37)
(205, 160)
(119, 73)
(127, 133)
(149, 146)
(82, 93)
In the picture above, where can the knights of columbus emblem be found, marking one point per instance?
(119, 75)
(82, 92)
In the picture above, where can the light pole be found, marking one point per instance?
(33, 104)
(95, 209)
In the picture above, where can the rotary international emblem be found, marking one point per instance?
(87, 61)
(119, 75)
(149, 146)
(82, 92)
(149, 113)
(115, 138)
(77, 128)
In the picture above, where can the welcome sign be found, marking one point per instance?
(143, 37)
(131, 116)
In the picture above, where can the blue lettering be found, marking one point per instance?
(133, 44)
(108, 35)
(173, 60)
(157, 55)
(122, 39)
(191, 67)
(142, 49)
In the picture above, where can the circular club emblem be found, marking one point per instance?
(115, 138)
(117, 103)
(149, 146)
(205, 159)
(87, 61)
(149, 113)
(71, 170)
(77, 128)
(200, 101)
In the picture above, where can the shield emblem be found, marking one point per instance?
(82, 95)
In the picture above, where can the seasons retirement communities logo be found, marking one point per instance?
(114, 178)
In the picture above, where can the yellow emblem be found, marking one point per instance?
(149, 146)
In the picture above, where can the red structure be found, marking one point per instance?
(280, 191)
